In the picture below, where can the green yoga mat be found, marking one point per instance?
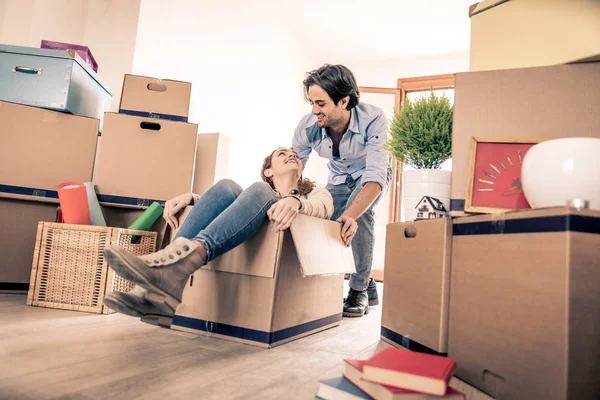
(146, 220)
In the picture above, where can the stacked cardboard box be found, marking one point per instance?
(41, 147)
(511, 297)
(149, 152)
(524, 318)
(518, 316)
(542, 102)
(518, 34)
(417, 283)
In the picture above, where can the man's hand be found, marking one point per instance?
(283, 213)
(349, 228)
(173, 206)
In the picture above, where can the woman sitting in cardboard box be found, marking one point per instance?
(223, 218)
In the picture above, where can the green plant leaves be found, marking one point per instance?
(421, 132)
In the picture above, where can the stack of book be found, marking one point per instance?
(393, 374)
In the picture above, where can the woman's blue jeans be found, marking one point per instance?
(226, 216)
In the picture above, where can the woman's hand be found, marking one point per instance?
(173, 206)
(349, 228)
(283, 213)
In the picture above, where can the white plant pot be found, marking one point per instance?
(424, 182)
(556, 171)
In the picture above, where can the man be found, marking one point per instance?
(352, 136)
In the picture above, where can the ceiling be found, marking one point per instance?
(379, 29)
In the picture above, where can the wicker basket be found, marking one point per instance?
(69, 271)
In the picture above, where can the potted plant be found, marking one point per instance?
(421, 137)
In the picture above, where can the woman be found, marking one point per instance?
(223, 218)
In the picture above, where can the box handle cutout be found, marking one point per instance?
(494, 383)
(27, 70)
(191, 280)
(157, 87)
(410, 232)
(153, 126)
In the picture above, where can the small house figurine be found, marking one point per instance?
(430, 208)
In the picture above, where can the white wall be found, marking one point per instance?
(110, 32)
(246, 72)
(107, 27)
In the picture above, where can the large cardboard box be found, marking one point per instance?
(524, 304)
(55, 79)
(544, 102)
(18, 226)
(417, 285)
(40, 149)
(212, 161)
(141, 160)
(273, 288)
(517, 34)
(156, 98)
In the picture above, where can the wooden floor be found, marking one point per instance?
(55, 354)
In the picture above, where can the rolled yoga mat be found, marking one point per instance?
(74, 203)
(146, 220)
(96, 217)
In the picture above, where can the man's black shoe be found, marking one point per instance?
(356, 304)
(371, 293)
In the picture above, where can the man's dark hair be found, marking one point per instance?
(337, 80)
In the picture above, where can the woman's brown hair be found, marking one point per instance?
(305, 186)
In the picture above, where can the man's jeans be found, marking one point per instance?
(226, 216)
(364, 241)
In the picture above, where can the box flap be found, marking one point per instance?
(320, 248)
(484, 5)
(258, 256)
(34, 51)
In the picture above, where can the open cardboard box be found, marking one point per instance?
(273, 288)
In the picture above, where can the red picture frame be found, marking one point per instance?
(494, 180)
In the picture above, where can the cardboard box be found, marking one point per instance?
(545, 102)
(54, 79)
(273, 288)
(417, 285)
(517, 34)
(18, 226)
(212, 161)
(141, 160)
(524, 304)
(40, 149)
(155, 98)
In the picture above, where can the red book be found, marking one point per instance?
(410, 370)
(353, 372)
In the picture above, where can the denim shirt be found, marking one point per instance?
(362, 152)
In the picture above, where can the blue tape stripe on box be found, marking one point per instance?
(457, 205)
(407, 343)
(169, 117)
(559, 223)
(133, 201)
(252, 334)
(26, 191)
